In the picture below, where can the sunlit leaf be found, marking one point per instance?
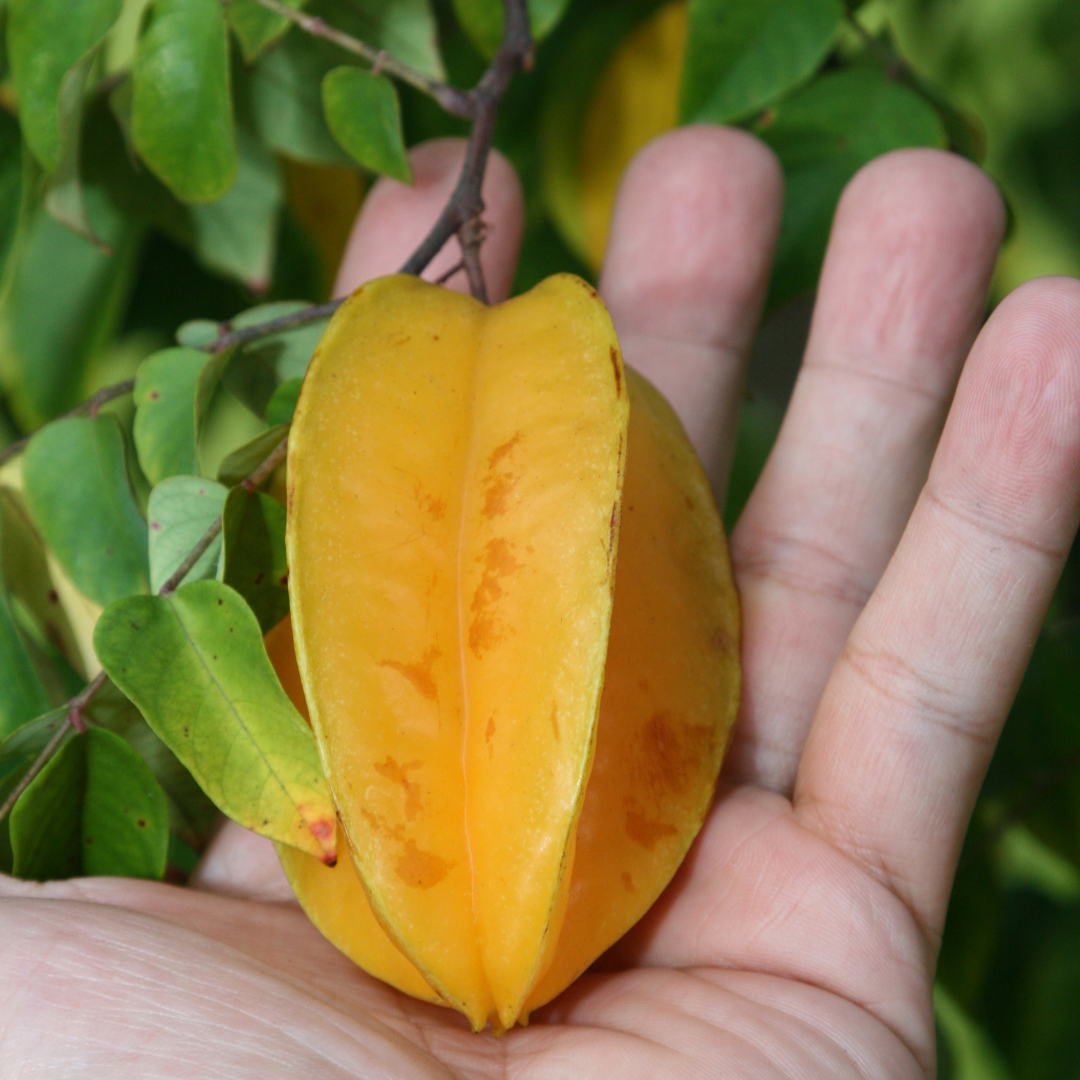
(257, 27)
(78, 492)
(181, 510)
(484, 20)
(195, 665)
(364, 116)
(741, 57)
(173, 391)
(406, 29)
(254, 562)
(243, 462)
(45, 38)
(182, 118)
(95, 808)
(823, 135)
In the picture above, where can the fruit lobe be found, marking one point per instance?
(455, 474)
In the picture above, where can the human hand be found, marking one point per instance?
(890, 606)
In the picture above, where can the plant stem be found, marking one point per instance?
(89, 406)
(456, 102)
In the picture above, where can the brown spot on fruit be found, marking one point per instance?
(399, 774)
(500, 452)
(722, 640)
(421, 869)
(486, 630)
(497, 495)
(489, 733)
(420, 675)
(645, 832)
(673, 752)
(432, 505)
(628, 881)
(618, 373)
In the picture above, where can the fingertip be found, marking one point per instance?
(396, 217)
(693, 232)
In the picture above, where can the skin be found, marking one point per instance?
(895, 564)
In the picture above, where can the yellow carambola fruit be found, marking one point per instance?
(455, 479)
(635, 100)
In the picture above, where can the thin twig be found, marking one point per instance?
(89, 407)
(77, 704)
(454, 101)
(467, 204)
(446, 275)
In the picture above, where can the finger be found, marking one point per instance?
(685, 274)
(396, 217)
(902, 293)
(912, 712)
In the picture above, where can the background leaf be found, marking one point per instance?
(182, 119)
(254, 558)
(173, 392)
(78, 492)
(364, 115)
(21, 694)
(255, 26)
(45, 39)
(484, 20)
(60, 301)
(282, 403)
(741, 57)
(823, 135)
(195, 665)
(181, 509)
(95, 808)
(286, 99)
(257, 368)
(244, 461)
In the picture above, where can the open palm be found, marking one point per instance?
(894, 564)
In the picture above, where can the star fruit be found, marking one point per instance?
(516, 639)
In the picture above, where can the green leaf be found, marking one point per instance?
(254, 563)
(60, 301)
(286, 101)
(182, 118)
(197, 333)
(78, 492)
(972, 1053)
(181, 509)
(195, 665)
(237, 234)
(191, 813)
(406, 29)
(243, 462)
(282, 403)
(256, 27)
(63, 196)
(94, 809)
(25, 565)
(741, 57)
(173, 392)
(22, 696)
(10, 775)
(45, 39)
(259, 367)
(823, 135)
(364, 116)
(484, 20)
